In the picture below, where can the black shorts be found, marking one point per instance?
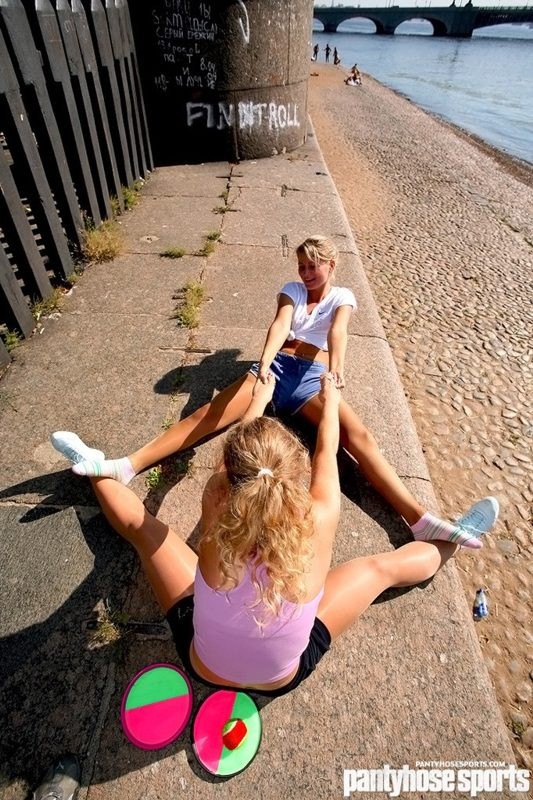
(180, 620)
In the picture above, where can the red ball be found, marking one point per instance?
(233, 733)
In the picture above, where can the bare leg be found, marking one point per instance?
(228, 406)
(353, 586)
(169, 563)
(360, 443)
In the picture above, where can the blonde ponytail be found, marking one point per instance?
(267, 521)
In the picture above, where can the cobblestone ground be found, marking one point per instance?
(445, 233)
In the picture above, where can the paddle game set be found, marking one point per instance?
(158, 703)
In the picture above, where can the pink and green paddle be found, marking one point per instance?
(156, 706)
(226, 732)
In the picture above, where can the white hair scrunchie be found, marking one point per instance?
(265, 471)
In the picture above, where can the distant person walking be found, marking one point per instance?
(336, 59)
(327, 49)
(315, 53)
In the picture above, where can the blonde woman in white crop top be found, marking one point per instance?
(307, 337)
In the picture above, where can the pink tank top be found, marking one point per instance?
(231, 644)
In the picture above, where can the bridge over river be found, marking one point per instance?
(458, 21)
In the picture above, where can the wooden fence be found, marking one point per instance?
(73, 132)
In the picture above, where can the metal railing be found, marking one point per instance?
(73, 132)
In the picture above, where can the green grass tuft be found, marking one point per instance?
(102, 243)
(42, 308)
(75, 275)
(12, 339)
(131, 194)
(107, 630)
(517, 728)
(187, 312)
(154, 478)
(207, 248)
(116, 210)
(173, 252)
(187, 317)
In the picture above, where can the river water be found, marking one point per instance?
(483, 84)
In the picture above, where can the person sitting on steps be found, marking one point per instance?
(259, 605)
(307, 338)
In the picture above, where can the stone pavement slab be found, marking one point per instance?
(165, 222)
(138, 286)
(189, 180)
(271, 216)
(57, 565)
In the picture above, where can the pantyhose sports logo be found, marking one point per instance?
(469, 780)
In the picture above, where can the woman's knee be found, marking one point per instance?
(359, 439)
(381, 570)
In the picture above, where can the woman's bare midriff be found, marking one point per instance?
(205, 673)
(305, 350)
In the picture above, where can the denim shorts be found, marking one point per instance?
(180, 616)
(297, 381)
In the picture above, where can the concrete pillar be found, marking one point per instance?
(223, 79)
(462, 22)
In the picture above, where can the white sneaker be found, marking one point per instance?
(480, 517)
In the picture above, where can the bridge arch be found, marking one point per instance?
(438, 28)
(368, 25)
(361, 16)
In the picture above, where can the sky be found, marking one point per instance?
(413, 3)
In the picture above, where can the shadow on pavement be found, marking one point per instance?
(53, 684)
(56, 688)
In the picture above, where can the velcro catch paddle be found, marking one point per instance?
(156, 706)
(226, 732)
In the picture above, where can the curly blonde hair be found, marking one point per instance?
(267, 522)
(318, 248)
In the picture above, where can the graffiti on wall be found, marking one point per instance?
(180, 31)
(246, 114)
(186, 33)
(244, 26)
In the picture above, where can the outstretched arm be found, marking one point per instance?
(337, 341)
(261, 398)
(277, 333)
(325, 488)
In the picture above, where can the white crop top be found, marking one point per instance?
(314, 327)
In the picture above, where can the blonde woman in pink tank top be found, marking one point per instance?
(259, 605)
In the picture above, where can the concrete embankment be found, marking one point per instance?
(444, 226)
(407, 684)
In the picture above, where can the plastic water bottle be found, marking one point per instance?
(481, 608)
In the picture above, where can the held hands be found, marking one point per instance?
(263, 373)
(329, 389)
(338, 377)
(264, 388)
